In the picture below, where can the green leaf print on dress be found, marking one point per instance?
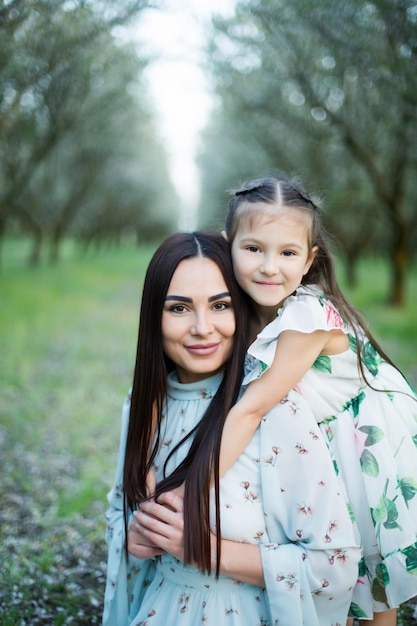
(374, 433)
(356, 611)
(408, 488)
(369, 356)
(323, 364)
(369, 464)
(385, 514)
(380, 582)
(262, 367)
(354, 403)
(411, 559)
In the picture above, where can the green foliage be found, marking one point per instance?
(80, 149)
(305, 83)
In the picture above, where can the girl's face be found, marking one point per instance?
(198, 321)
(271, 254)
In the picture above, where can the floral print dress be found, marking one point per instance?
(281, 494)
(372, 437)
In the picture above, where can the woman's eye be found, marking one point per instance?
(177, 308)
(221, 306)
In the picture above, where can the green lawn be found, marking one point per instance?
(67, 348)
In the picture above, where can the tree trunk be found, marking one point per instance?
(400, 260)
(36, 248)
(2, 234)
(351, 267)
(55, 247)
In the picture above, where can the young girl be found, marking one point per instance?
(311, 340)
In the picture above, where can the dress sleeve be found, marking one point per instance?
(306, 311)
(311, 561)
(126, 578)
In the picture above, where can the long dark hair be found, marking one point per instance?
(279, 190)
(149, 391)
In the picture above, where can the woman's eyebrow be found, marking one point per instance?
(224, 294)
(179, 298)
(219, 296)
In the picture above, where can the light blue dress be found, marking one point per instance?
(281, 494)
(371, 434)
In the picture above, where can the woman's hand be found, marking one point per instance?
(161, 524)
(138, 545)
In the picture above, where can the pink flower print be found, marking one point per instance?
(339, 555)
(305, 509)
(294, 408)
(290, 579)
(360, 439)
(332, 317)
(250, 496)
(324, 584)
(271, 460)
(184, 601)
(301, 449)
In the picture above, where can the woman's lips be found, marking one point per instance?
(200, 349)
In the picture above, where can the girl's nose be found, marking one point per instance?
(269, 265)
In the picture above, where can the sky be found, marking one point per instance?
(175, 37)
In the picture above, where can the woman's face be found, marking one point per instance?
(198, 322)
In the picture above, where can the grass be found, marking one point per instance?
(67, 352)
(395, 328)
(67, 348)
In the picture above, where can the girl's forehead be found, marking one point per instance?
(251, 215)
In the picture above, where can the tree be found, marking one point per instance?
(71, 106)
(332, 78)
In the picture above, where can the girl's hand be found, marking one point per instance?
(161, 524)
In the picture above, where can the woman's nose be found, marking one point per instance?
(201, 325)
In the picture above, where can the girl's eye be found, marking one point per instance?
(288, 253)
(252, 248)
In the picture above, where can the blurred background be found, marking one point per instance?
(121, 123)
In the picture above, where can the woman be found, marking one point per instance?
(285, 551)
